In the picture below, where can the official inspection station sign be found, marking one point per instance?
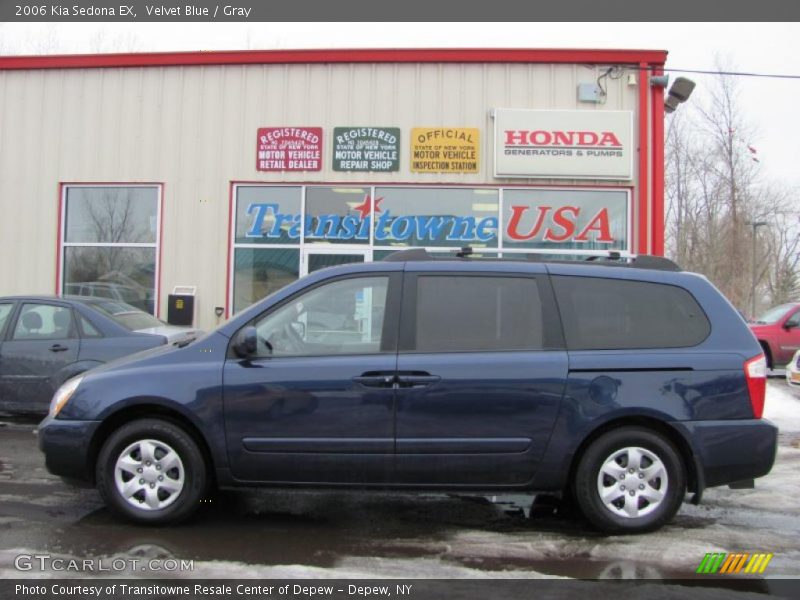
(366, 149)
(563, 144)
(444, 150)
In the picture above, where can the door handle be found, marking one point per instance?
(371, 379)
(417, 380)
(58, 348)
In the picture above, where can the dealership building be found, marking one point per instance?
(230, 174)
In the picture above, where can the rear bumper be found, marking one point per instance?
(66, 446)
(730, 451)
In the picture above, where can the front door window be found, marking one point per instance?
(343, 317)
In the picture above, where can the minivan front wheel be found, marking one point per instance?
(151, 471)
(630, 480)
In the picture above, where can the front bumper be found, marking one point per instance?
(66, 445)
(730, 451)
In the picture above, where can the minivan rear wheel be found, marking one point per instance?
(151, 471)
(630, 480)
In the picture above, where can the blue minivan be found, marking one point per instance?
(621, 384)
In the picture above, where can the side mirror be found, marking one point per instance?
(791, 323)
(246, 342)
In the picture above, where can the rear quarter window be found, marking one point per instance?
(615, 314)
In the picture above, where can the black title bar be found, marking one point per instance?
(154, 11)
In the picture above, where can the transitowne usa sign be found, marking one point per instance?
(563, 144)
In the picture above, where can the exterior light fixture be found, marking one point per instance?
(678, 93)
(661, 81)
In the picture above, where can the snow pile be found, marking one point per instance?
(782, 407)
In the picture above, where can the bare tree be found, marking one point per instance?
(780, 272)
(715, 192)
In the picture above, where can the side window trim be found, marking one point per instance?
(553, 333)
(8, 326)
(80, 319)
(389, 334)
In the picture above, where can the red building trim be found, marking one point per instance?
(159, 246)
(228, 262)
(642, 184)
(375, 55)
(657, 220)
(59, 249)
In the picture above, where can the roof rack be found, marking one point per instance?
(613, 258)
(410, 254)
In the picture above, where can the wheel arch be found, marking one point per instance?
(694, 484)
(767, 352)
(72, 370)
(146, 410)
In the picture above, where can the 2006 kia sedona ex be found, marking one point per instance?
(620, 384)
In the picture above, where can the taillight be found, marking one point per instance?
(755, 372)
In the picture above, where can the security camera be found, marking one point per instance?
(218, 310)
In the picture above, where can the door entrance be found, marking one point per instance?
(314, 258)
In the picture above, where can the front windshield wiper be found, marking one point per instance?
(183, 343)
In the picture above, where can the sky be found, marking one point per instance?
(767, 103)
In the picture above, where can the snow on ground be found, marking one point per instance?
(783, 406)
(764, 519)
(348, 568)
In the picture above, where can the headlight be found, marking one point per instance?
(63, 394)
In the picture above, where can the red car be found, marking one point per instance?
(778, 332)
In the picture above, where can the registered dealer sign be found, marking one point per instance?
(563, 144)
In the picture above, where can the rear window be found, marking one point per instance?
(128, 316)
(459, 314)
(615, 314)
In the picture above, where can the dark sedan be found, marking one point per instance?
(45, 340)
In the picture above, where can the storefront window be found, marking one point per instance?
(565, 219)
(268, 215)
(448, 217)
(338, 215)
(283, 232)
(267, 235)
(110, 247)
(258, 272)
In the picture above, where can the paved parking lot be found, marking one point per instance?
(309, 534)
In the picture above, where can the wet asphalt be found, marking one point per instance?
(430, 535)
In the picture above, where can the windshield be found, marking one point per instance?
(128, 316)
(773, 315)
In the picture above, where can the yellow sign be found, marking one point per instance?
(444, 150)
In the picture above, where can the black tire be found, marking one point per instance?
(767, 354)
(616, 518)
(193, 471)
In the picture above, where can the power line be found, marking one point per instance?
(735, 73)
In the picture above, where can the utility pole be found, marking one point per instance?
(755, 225)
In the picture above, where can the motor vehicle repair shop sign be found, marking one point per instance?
(366, 149)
